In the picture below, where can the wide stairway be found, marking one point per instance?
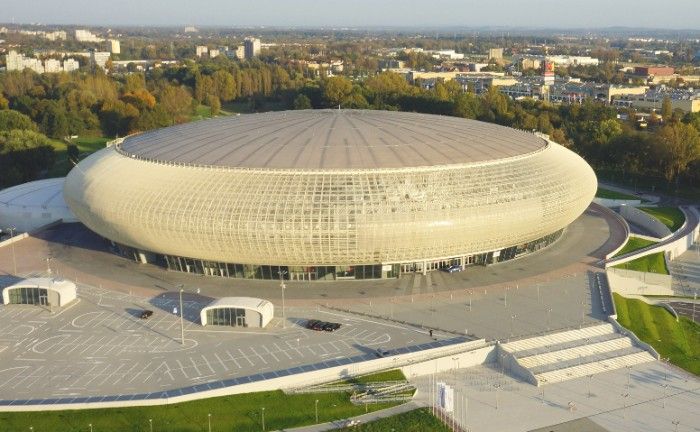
(576, 353)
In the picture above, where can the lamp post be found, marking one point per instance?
(316, 409)
(263, 418)
(512, 322)
(663, 400)
(182, 319)
(675, 424)
(283, 287)
(209, 416)
(150, 424)
(590, 378)
(14, 259)
(498, 387)
(90, 424)
(549, 312)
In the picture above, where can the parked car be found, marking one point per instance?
(329, 326)
(146, 314)
(381, 352)
(318, 326)
(311, 323)
(453, 268)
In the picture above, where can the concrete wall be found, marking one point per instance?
(628, 282)
(614, 203)
(645, 220)
(461, 360)
(669, 246)
(290, 381)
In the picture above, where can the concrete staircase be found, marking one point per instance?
(572, 354)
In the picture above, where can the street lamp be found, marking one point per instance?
(549, 312)
(316, 409)
(90, 427)
(512, 320)
(498, 387)
(590, 378)
(283, 287)
(150, 424)
(209, 415)
(14, 259)
(663, 401)
(263, 418)
(182, 319)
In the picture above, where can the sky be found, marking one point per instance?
(668, 14)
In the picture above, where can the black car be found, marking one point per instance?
(146, 314)
(329, 326)
(318, 325)
(310, 324)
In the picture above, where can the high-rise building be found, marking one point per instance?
(52, 65)
(201, 50)
(496, 53)
(252, 47)
(70, 65)
(113, 46)
(82, 35)
(99, 58)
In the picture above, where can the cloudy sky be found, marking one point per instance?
(671, 14)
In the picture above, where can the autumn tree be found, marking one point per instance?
(336, 90)
(677, 144)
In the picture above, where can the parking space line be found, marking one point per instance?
(111, 374)
(270, 352)
(140, 372)
(208, 364)
(221, 361)
(233, 359)
(196, 369)
(282, 351)
(246, 357)
(256, 353)
(182, 368)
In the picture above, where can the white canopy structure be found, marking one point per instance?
(40, 291)
(238, 312)
(31, 205)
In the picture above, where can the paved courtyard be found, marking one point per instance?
(100, 346)
(648, 397)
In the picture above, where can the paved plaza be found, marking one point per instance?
(647, 397)
(100, 346)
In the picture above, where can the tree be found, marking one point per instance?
(10, 119)
(336, 90)
(666, 109)
(24, 155)
(214, 105)
(302, 102)
(54, 122)
(678, 145)
(176, 101)
(223, 85)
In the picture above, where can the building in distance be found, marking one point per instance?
(82, 35)
(113, 46)
(252, 47)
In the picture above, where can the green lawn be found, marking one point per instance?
(679, 341)
(390, 375)
(653, 263)
(419, 420)
(605, 193)
(672, 217)
(86, 145)
(633, 244)
(231, 413)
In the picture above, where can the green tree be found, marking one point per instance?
(10, 119)
(24, 155)
(302, 102)
(336, 90)
(678, 145)
(666, 109)
(214, 105)
(176, 101)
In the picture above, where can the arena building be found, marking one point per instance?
(331, 194)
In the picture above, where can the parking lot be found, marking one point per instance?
(101, 346)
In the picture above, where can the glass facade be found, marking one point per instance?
(34, 296)
(233, 317)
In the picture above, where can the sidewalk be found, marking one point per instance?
(365, 418)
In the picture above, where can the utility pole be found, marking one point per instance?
(182, 319)
(283, 287)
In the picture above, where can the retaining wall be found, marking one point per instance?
(628, 282)
(645, 220)
(615, 203)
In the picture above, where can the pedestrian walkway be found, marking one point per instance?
(366, 418)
